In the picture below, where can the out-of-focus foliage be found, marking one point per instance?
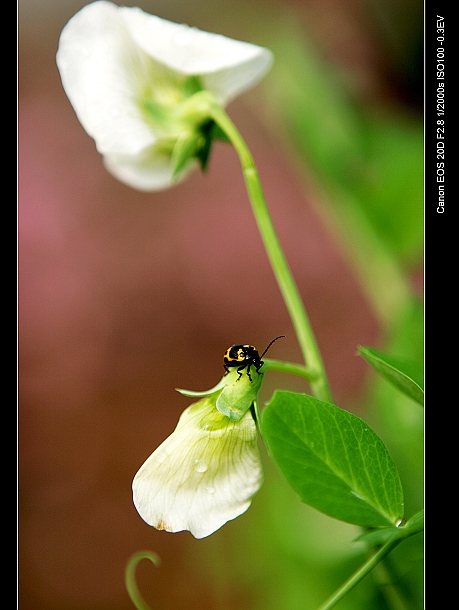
(365, 161)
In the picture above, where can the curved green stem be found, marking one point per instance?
(289, 367)
(130, 581)
(289, 290)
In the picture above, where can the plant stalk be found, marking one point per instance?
(360, 573)
(287, 285)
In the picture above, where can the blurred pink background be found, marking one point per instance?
(124, 296)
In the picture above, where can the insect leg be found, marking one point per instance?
(258, 366)
(248, 372)
(239, 371)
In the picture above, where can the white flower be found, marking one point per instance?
(203, 475)
(130, 77)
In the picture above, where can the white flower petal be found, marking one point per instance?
(227, 66)
(101, 72)
(147, 171)
(203, 475)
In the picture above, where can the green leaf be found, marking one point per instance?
(333, 460)
(404, 375)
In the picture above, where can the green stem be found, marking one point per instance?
(360, 573)
(414, 526)
(289, 290)
(130, 580)
(289, 367)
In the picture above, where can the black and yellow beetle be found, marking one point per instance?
(242, 356)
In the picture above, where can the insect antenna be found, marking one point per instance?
(269, 345)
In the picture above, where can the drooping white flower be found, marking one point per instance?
(203, 475)
(132, 77)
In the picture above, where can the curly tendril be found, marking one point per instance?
(129, 577)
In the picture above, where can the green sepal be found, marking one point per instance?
(193, 145)
(205, 144)
(221, 384)
(184, 151)
(217, 133)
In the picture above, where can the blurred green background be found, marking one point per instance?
(124, 296)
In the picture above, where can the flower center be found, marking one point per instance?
(162, 97)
